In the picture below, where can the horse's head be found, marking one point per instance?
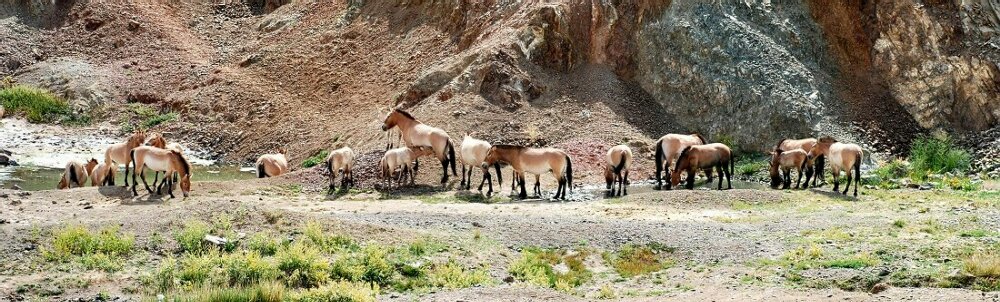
(63, 183)
(90, 165)
(492, 157)
(186, 184)
(773, 168)
(137, 138)
(157, 140)
(282, 151)
(609, 176)
(683, 163)
(391, 120)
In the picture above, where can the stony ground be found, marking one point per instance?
(731, 245)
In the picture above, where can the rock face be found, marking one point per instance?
(83, 85)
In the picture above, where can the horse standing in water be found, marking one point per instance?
(342, 161)
(271, 165)
(842, 157)
(619, 160)
(167, 161)
(101, 174)
(473, 154)
(75, 173)
(668, 149)
(807, 144)
(698, 157)
(417, 134)
(786, 161)
(119, 153)
(535, 161)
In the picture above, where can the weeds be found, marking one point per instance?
(539, 267)
(190, 237)
(453, 275)
(102, 251)
(38, 105)
(302, 265)
(937, 154)
(148, 117)
(634, 260)
(315, 159)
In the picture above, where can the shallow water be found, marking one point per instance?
(34, 178)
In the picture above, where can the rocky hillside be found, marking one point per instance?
(248, 76)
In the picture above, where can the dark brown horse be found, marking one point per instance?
(698, 157)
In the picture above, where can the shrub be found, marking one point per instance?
(316, 159)
(937, 154)
(101, 261)
(337, 291)
(315, 234)
(264, 243)
(453, 275)
(76, 240)
(163, 279)
(190, 237)
(634, 260)
(302, 265)
(369, 265)
(887, 173)
(196, 269)
(38, 105)
(536, 266)
(148, 117)
(249, 268)
(982, 265)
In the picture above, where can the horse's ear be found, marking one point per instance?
(282, 150)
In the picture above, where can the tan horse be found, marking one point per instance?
(668, 149)
(101, 174)
(75, 173)
(807, 144)
(698, 157)
(402, 158)
(617, 164)
(157, 140)
(473, 154)
(785, 161)
(341, 160)
(417, 134)
(163, 160)
(271, 165)
(536, 161)
(119, 153)
(842, 157)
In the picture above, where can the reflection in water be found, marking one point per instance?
(33, 178)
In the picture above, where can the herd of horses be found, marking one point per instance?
(674, 154)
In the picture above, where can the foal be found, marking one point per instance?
(119, 153)
(402, 158)
(807, 144)
(101, 174)
(619, 160)
(473, 153)
(535, 161)
(668, 149)
(75, 173)
(842, 157)
(167, 161)
(694, 158)
(271, 165)
(786, 161)
(341, 160)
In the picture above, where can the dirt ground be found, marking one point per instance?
(720, 238)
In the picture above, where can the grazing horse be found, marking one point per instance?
(536, 161)
(698, 157)
(402, 158)
(806, 144)
(341, 160)
(473, 153)
(119, 153)
(842, 157)
(75, 173)
(101, 174)
(619, 160)
(417, 134)
(786, 161)
(271, 165)
(164, 160)
(668, 149)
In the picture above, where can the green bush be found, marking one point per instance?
(536, 266)
(886, 174)
(634, 260)
(316, 159)
(148, 117)
(369, 265)
(302, 265)
(249, 268)
(38, 105)
(194, 269)
(264, 243)
(937, 154)
(453, 275)
(190, 238)
(338, 292)
(76, 240)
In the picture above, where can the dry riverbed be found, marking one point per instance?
(743, 244)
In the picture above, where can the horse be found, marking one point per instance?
(473, 153)
(157, 140)
(164, 160)
(271, 165)
(536, 161)
(697, 157)
(119, 153)
(785, 161)
(668, 148)
(417, 134)
(619, 160)
(75, 173)
(806, 144)
(101, 174)
(841, 157)
(341, 160)
(402, 158)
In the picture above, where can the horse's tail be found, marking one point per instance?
(569, 173)
(659, 154)
(131, 155)
(451, 157)
(260, 170)
(857, 168)
(621, 164)
(72, 175)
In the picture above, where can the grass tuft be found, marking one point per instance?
(453, 275)
(635, 260)
(37, 105)
(315, 159)
(190, 237)
(937, 154)
(557, 269)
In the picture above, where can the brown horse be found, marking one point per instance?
(271, 165)
(473, 153)
(417, 134)
(619, 160)
(163, 160)
(535, 161)
(668, 149)
(157, 140)
(404, 159)
(698, 157)
(807, 144)
(842, 157)
(119, 153)
(100, 174)
(342, 161)
(75, 173)
(786, 161)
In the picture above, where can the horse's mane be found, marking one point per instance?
(682, 157)
(827, 139)
(184, 162)
(509, 147)
(778, 146)
(406, 114)
(702, 138)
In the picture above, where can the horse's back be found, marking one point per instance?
(474, 150)
(673, 143)
(341, 157)
(792, 158)
(542, 160)
(845, 155)
(804, 144)
(619, 153)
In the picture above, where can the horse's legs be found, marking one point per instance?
(520, 177)
(126, 173)
(489, 180)
(156, 178)
(799, 180)
(462, 183)
(690, 178)
(444, 168)
(847, 186)
(142, 175)
(718, 168)
(836, 179)
(625, 183)
(786, 179)
(538, 186)
(468, 181)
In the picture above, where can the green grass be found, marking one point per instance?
(977, 233)
(315, 159)
(369, 265)
(635, 260)
(190, 237)
(102, 251)
(37, 105)
(302, 265)
(331, 243)
(937, 154)
(855, 262)
(886, 174)
(147, 116)
(536, 266)
(264, 243)
(453, 275)
(899, 223)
